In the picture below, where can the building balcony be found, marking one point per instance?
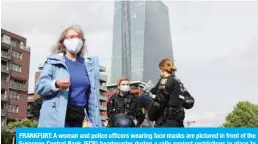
(103, 88)
(3, 112)
(27, 48)
(18, 86)
(6, 44)
(4, 68)
(4, 97)
(101, 107)
(104, 117)
(102, 69)
(103, 78)
(4, 81)
(29, 114)
(6, 55)
(101, 97)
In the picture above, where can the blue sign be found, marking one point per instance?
(136, 135)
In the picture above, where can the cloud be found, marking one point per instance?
(42, 22)
(49, 17)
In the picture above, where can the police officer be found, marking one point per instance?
(169, 98)
(123, 108)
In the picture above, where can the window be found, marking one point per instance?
(4, 78)
(3, 92)
(3, 105)
(17, 54)
(16, 67)
(5, 52)
(14, 95)
(22, 46)
(14, 43)
(13, 108)
(29, 113)
(3, 62)
(30, 97)
(6, 39)
(29, 105)
(4, 65)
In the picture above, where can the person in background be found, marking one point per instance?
(69, 84)
(124, 106)
(168, 99)
(35, 108)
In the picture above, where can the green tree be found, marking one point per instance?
(23, 123)
(244, 114)
(8, 131)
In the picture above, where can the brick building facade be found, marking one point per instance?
(15, 64)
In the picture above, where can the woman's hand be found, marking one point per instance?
(63, 83)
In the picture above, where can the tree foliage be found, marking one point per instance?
(23, 123)
(244, 114)
(8, 131)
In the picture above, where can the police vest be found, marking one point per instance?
(124, 105)
(172, 91)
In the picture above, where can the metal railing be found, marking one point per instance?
(103, 77)
(29, 114)
(6, 54)
(18, 86)
(3, 112)
(103, 117)
(103, 88)
(102, 68)
(27, 48)
(4, 68)
(4, 80)
(101, 97)
(102, 107)
(4, 97)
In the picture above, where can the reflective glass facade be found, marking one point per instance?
(141, 38)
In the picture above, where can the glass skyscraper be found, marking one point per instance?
(141, 38)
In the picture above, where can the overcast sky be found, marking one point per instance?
(215, 45)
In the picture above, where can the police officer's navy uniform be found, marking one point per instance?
(128, 104)
(167, 108)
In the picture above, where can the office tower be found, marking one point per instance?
(141, 38)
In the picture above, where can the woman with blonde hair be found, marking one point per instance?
(69, 84)
(171, 98)
(123, 107)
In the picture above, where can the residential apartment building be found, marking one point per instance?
(15, 64)
(102, 98)
(30, 100)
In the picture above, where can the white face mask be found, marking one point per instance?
(73, 45)
(125, 88)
